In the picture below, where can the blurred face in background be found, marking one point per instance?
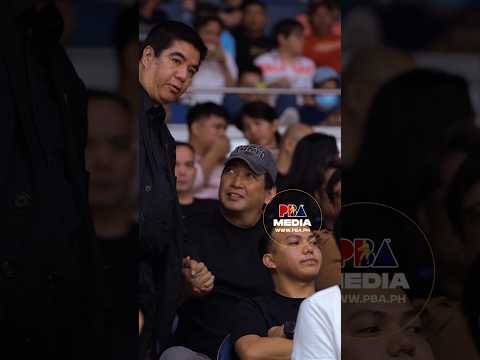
(260, 131)
(208, 130)
(184, 168)
(293, 43)
(250, 79)
(210, 34)
(254, 20)
(231, 13)
(110, 155)
(323, 20)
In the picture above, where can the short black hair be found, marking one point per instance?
(250, 68)
(201, 21)
(96, 94)
(286, 27)
(186, 144)
(256, 110)
(203, 110)
(164, 34)
(248, 3)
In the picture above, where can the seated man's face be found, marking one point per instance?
(184, 168)
(259, 131)
(373, 330)
(241, 190)
(209, 130)
(294, 254)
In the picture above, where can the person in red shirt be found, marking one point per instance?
(323, 45)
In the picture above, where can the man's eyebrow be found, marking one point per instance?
(179, 54)
(365, 312)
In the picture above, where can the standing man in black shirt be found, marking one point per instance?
(170, 56)
(50, 288)
(227, 240)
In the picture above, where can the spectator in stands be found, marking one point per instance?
(285, 66)
(249, 76)
(251, 38)
(365, 73)
(293, 134)
(110, 159)
(125, 36)
(331, 272)
(231, 13)
(322, 109)
(227, 241)
(323, 46)
(206, 128)
(218, 70)
(258, 122)
(313, 156)
(471, 301)
(381, 330)
(185, 172)
(264, 326)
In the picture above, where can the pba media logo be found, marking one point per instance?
(361, 253)
(292, 217)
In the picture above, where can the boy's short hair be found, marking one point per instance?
(203, 110)
(256, 110)
(164, 34)
(286, 27)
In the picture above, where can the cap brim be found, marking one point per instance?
(255, 169)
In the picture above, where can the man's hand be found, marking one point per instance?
(277, 331)
(198, 279)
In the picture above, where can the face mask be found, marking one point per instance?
(327, 102)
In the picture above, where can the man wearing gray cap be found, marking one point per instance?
(227, 240)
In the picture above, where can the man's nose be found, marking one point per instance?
(182, 73)
(401, 344)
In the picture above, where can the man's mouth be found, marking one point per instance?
(234, 195)
(175, 89)
(310, 261)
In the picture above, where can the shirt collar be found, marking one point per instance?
(152, 109)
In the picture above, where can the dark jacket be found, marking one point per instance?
(161, 229)
(50, 275)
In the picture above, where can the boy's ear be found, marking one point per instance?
(270, 195)
(268, 261)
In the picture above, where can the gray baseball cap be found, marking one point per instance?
(258, 158)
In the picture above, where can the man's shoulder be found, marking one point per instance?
(326, 299)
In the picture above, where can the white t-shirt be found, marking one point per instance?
(210, 75)
(318, 327)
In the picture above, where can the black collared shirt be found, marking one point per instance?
(160, 225)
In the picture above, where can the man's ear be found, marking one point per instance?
(275, 124)
(195, 128)
(148, 54)
(269, 261)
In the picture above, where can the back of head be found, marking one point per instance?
(313, 154)
(412, 119)
(163, 35)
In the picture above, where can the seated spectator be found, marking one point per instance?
(258, 122)
(110, 159)
(226, 241)
(249, 76)
(293, 134)
(323, 46)
(313, 156)
(265, 325)
(322, 109)
(285, 66)
(218, 70)
(317, 331)
(185, 172)
(251, 38)
(206, 129)
(231, 13)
